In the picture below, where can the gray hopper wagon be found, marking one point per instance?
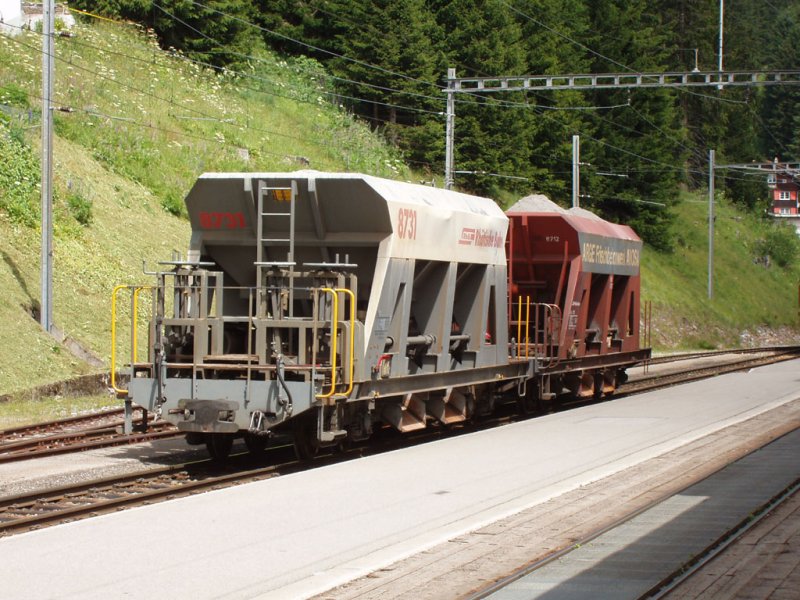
(324, 304)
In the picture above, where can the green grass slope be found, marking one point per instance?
(128, 225)
(146, 123)
(751, 303)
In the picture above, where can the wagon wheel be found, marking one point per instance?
(528, 404)
(598, 387)
(219, 445)
(304, 430)
(256, 444)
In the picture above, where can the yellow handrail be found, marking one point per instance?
(352, 336)
(334, 335)
(134, 329)
(527, 324)
(519, 326)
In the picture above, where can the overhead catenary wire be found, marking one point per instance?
(457, 100)
(176, 132)
(160, 98)
(379, 87)
(613, 61)
(501, 103)
(339, 95)
(358, 99)
(665, 166)
(150, 126)
(624, 199)
(230, 71)
(564, 36)
(488, 174)
(290, 137)
(315, 48)
(203, 114)
(376, 67)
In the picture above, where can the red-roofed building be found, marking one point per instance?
(784, 184)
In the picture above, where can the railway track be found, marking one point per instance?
(67, 503)
(26, 512)
(670, 358)
(57, 505)
(74, 434)
(653, 382)
(98, 419)
(99, 430)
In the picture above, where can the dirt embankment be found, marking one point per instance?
(673, 332)
(85, 385)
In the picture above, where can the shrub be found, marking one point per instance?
(780, 244)
(80, 208)
(173, 204)
(19, 179)
(13, 95)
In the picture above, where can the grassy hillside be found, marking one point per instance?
(751, 301)
(146, 123)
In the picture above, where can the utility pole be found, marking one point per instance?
(48, 57)
(721, 27)
(721, 30)
(450, 130)
(576, 171)
(711, 160)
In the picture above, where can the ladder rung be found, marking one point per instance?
(275, 240)
(263, 214)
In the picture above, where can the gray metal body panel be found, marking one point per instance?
(247, 396)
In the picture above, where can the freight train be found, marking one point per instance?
(327, 304)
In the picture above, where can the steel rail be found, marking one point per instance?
(57, 424)
(667, 358)
(39, 509)
(57, 505)
(102, 435)
(82, 440)
(74, 434)
(656, 382)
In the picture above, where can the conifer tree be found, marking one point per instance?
(551, 31)
(780, 134)
(492, 134)
(642, 145)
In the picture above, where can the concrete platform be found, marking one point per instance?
(302, 534)
(764, 563)
(632, 559)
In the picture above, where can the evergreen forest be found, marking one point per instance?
(386, 61)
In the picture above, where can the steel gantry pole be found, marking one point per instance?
(721, 34)
(48, 52)
(450, 129)
(711, 160)
(576, 171)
